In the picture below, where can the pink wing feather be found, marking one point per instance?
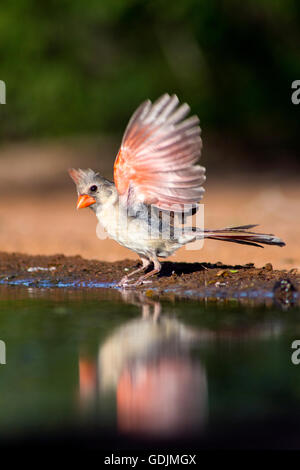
(156, 161)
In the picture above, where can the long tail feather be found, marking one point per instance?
(241, 235)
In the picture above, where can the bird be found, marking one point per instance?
(158, 181)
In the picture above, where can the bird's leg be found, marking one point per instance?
(156, 269)
(146, 262)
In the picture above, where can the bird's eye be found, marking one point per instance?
(93, 188)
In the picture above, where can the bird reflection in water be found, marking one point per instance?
(160, 389)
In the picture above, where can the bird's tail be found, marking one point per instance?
(241, 234)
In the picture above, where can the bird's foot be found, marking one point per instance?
(139, 282)
(123, 281)
(126, 283)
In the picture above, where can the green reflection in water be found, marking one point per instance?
(142, 366)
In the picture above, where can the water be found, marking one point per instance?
(96, 362)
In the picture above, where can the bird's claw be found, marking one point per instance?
(126, 283)
(122, 282)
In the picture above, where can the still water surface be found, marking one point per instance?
(138, 367)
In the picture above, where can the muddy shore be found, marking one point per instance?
(176, 280)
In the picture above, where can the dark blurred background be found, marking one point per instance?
(75, 71)
(73, 67)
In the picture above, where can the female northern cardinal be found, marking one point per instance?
(155, 174)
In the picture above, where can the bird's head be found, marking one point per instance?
(93, 190)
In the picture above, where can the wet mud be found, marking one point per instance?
(176, 280)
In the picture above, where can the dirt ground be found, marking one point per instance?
(176, 280)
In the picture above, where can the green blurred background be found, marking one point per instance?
(80, 68)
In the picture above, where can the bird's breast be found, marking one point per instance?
(133, 232)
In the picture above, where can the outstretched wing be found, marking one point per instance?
(156, 163)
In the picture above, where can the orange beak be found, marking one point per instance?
(84, 200)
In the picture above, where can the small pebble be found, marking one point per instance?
(220, 284)
(284, 291)
(39, 268)
(268, 267)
